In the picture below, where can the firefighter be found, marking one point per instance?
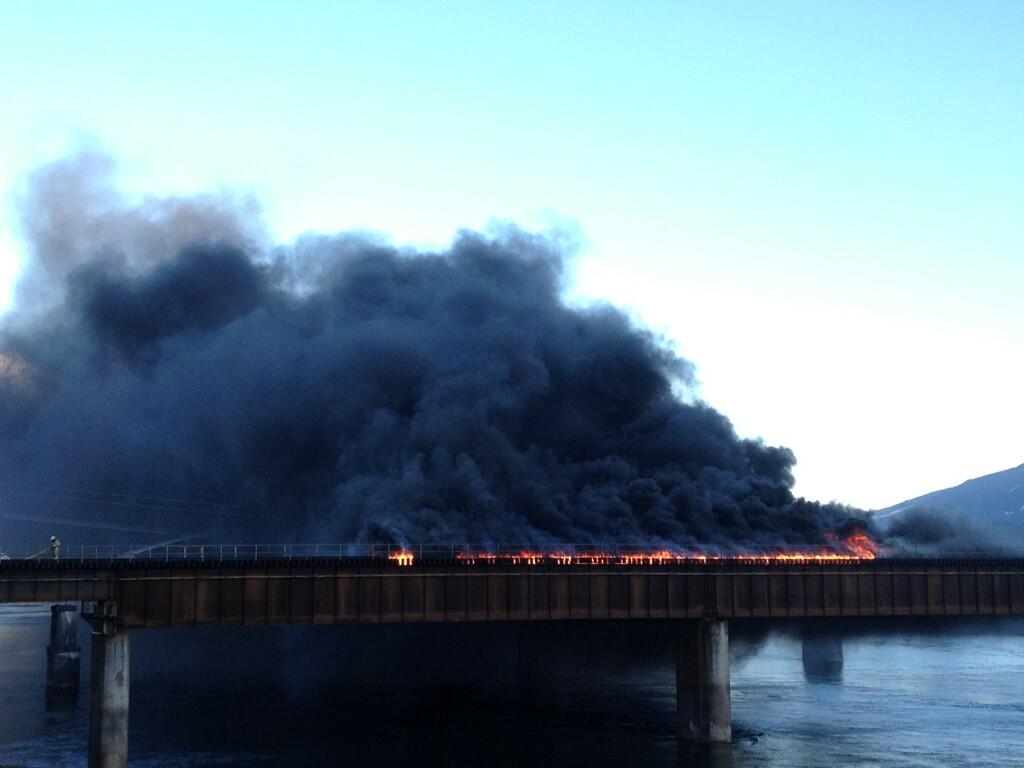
(55, 547)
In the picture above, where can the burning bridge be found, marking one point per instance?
(203, 585)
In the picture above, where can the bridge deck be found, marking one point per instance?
(332, 590)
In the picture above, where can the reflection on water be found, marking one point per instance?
(822, 656)
(930, 700)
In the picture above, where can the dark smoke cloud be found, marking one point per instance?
(72, 215)
(343, 389)
(931, 532)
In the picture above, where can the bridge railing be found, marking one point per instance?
(228, 552)
(250, 552)
(214, 552)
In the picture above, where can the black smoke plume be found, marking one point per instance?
(165, 368)
(932, 533)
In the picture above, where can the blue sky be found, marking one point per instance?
(821, 204)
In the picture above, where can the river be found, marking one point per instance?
(904, 700)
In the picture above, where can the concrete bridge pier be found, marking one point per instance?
(63, 659)
(108, 706)
(703, 703)
(822, 655)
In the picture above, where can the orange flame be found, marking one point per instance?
(860, 544)
(402, 557)
(854, 547)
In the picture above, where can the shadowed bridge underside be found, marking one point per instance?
(121, 594)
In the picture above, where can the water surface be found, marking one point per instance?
(904, 700)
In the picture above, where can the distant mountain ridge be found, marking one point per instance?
(992, 503)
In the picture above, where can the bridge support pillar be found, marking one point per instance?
(703, 701)
(822, 655)
(63, 659)
(108, 712)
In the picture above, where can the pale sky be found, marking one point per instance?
(820, 204)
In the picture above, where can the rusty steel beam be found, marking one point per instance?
(328, 591)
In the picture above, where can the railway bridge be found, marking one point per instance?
(231, 585)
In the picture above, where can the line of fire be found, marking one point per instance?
(699, 593)
(854, 547)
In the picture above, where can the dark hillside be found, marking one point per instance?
(992, 504)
